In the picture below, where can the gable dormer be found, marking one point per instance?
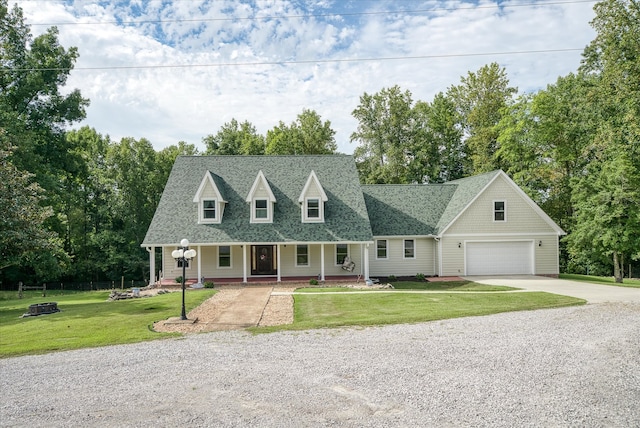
(210, 201)
(312, 200)
(262, 200)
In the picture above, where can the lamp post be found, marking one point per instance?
(183, 255)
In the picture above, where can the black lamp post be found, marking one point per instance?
(183, 255)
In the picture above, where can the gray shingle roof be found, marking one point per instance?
(346, 217)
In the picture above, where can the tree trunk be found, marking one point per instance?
(618, 267)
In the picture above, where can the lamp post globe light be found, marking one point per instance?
(183, 255)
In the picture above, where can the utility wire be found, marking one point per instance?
(262, 63)
(322, 15)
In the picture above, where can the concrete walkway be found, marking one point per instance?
(592, 293)
(246, 309)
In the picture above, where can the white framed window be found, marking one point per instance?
(224, 256)
(313, 209)
(302, 255)
(209, 209)
(261, 209)
(499, 211)
(342, 251)
(409, 249)
(381, 249)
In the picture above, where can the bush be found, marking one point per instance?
(209, 284)
(313, 281)
(420, 277)
(391, 277)
(179, 280)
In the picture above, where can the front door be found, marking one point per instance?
(263, 260)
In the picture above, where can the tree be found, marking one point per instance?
(480, 100)
(608, 221)
(24, 240)
(307, 135)
(385, 134)
(235, 138)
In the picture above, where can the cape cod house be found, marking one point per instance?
(273, 218)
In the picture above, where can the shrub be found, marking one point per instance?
(391, 277)
(209, 284)
(179, 280)
(313, 281)
(420, 277)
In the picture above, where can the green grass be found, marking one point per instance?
(87, 319)
(363, 309)
(418, 285)
(606, 280)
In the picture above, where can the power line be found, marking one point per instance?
(322, 15)
(321, 61)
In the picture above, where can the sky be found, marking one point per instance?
(172, 71)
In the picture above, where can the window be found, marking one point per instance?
(209, 209)
(302, 255)
(409, 249)
(342, 251)
(381, 249)
(262, 212)
(224, 256)
(499, 211)
(313, 208)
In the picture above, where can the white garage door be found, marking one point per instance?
(499, 258)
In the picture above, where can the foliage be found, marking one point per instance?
(420, 277)
(209, 284)
(633, 283)
(313, 281)
(235, 138)
(178, 280)
(87, 320)
(307, 135)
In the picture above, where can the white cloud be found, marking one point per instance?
(167, 105)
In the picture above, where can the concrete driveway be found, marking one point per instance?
(592, 293)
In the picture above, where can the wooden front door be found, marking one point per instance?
(263, 260)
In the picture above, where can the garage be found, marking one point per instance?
(499, 258)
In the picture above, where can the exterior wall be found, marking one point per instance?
(396, 264)
(209, 262)
(522, 224)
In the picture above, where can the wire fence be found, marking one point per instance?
(76, 286)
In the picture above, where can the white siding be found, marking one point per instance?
(396, 264)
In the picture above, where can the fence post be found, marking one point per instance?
(20, 290)
(44, 290)
(122, 283)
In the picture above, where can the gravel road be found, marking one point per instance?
(568, 367)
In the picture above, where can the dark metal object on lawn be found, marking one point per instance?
(183, 255)
(42, 309)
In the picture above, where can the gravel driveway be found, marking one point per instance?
(577, 366)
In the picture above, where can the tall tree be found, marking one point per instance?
(480, 99)
(235, 138)
(385, 134)
(307, 135)
(608, 220)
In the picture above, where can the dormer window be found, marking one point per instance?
(262, 200)
(312, 200)
(209, 209)
(210, 201)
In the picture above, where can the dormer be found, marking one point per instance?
(210, 201)
(312, 200)
(262, 200)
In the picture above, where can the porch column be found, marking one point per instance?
(278, 256)
(152, 265)
(244, 263)
(365, 261)
(321, 262)
(199, 264)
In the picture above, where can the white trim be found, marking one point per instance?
(218, 201)
(260, 178)
(251, 198)
(313, 178)
(295, 256)
(404, 257)
(335, 252)
(305, 210)
(218, 257)
(386, 249)
(504, 211)
(489, 234)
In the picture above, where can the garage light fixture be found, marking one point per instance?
(539, 243)
(459, 244)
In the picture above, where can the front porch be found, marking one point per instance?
(264, 280)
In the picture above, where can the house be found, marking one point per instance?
(290, 217)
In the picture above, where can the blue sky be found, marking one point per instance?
(177, 70)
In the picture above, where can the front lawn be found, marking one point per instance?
(320, 310)
(417, 285)
(606, 280)
(87, 319)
